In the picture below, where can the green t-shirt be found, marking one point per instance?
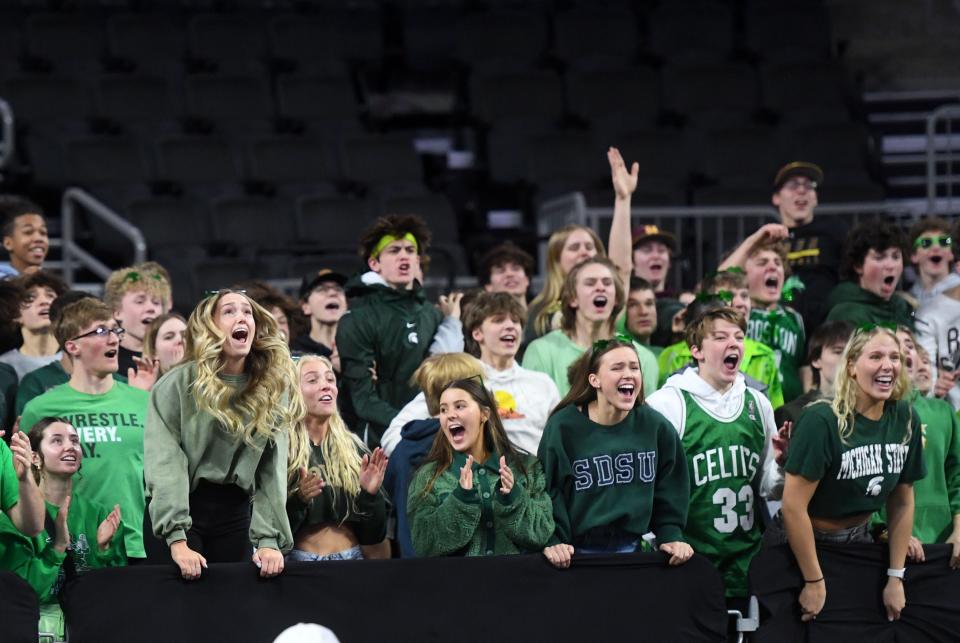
(782, 330)
(937, 496)
(723, 459)
(110, 427)
(39, 381)
(555, 352)
(631, 475)
(856, 475)
(758, 362)
(9, 485)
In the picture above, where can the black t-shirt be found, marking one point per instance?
(814, 253)
(125, 360)
(304, 345)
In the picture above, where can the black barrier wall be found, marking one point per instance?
(19, 612)
(501, 599)
(853, 613)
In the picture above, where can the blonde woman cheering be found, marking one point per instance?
(217, 440)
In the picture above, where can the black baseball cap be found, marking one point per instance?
(314, 279)
(811, 171)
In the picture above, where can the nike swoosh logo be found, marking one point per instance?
(409, 325)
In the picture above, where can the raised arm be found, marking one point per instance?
(624, 183)
(768, 232)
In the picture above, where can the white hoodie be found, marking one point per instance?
(670, 403)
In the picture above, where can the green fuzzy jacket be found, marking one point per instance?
(449, 520)
(392, 329)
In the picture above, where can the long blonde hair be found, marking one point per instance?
(341, 462)
(257, 412)
(548, 301)
(844, 402)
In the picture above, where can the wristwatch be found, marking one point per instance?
(896, 573)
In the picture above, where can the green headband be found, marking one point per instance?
(387, 239)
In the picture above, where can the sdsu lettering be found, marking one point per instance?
(622, 469)
(733, 461)
(868, 460)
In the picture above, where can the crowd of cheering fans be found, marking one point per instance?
(806, 391)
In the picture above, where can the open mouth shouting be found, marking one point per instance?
(731, 362)
(600, 303)
(936, 259)
(509, 340)
(772, 281)
(458, 434)
(627, 391)
(241, 335)
(333, 305)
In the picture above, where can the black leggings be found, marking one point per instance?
(221, 523)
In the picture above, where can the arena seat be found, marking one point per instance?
(779, 33)
(604, 95)
(332, 223)
(295, 164)
(596, 37)
(383, 164)
(153, 43)
(67, 41)
(688, 28)
(250, 223)
(502, 39)
(137, 102)
(197, 160)
(712, 96)
(536, 94)
(806, 93)
(230, 42)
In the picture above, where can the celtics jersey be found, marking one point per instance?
(725, 461)
(782, 330)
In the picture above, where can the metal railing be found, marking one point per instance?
(75, 199)
(715, 230)
(940, 154)
(8, 140)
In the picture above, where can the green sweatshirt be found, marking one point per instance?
(936, 496)
(391, 329)
(367, 515)
(849, 302)
(758, 362)
(631, 476)
(9, 485)
(39, 381)
(622, 328)
(452, 521)
(37, 562)
(555, 352)
(184, 446)
(110, 426)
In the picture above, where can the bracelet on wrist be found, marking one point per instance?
(819, 580)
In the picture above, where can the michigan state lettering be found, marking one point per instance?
(621, 469)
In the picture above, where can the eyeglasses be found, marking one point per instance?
(101, 331)
(796, 184)
(943, 240)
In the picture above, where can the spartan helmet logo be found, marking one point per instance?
(874, 486)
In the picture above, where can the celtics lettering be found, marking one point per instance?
(734, 461)
(620, 469)
(872, 460)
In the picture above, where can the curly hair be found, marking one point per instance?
(139, 277)
(258, 411)
(396, 225)
(844, 403)
(869, 235)
(500, 255)
(341, 461)
(548, 302)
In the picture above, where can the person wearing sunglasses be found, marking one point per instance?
(109, 416)
(217, 440)
(931, 253)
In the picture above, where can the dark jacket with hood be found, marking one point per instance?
(851, 303)
(391, 329)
